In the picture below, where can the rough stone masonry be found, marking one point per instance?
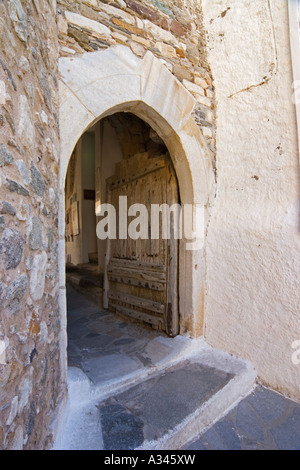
(30, 383)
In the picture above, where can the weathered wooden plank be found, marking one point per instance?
(156, 322)
(158, 286)
(172, 323)
(137, 301)
(136, 264)
(138, 273)
(115, 182)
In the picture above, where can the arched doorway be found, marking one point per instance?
(117, 81)
(122, 165)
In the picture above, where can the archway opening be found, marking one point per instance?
(170, 116)
(133, 277)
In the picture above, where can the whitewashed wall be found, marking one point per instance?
(253, 251)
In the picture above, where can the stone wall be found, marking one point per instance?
(30, 382)
(172, 31)
(240, 60)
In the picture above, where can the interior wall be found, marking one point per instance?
(88, 228)
(74, 243)
(80, 185)
(108, 153)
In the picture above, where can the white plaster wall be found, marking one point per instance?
(86, 241)
(253, 247)
(108, 153)
(89, 238)
(74, 248)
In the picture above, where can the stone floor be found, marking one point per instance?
(132, 386)
(123, 348)
(264, 420)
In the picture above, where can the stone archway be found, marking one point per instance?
(98, 84)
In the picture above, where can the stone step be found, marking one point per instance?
(162, 410)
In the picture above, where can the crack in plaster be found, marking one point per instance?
(273, 72)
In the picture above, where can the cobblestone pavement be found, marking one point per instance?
(124, 348)
(264, 420)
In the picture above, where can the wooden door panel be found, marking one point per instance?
(141, 275)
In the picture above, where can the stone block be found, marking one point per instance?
(20, 164)
(6, 157)
(113, 11)
(165, 49)
(36, 181)
(7, 208)
(18, 18)
(15, 187)
(142, 10)
(159, 33)
(177, 28)
(25, 127)
(11, 248)
(141, 40)
(121, 38)
(62, 25)
(35, 235)
(137, 49)
(37, 276)
(193, 88)
(97, 29)
(16, 293)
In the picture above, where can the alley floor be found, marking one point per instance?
(132, 406)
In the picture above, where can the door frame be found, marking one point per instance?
(97, 84)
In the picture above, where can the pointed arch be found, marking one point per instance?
(97, 84)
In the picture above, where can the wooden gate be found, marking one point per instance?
(140, 278)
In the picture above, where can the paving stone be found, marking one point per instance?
(268, 405)
(263, 420)
(77, 332)
(110, 367)
(120, 429)
(274, 425)
(248, 423)
(228, 435)
(92, 342)
(124, 341)
(163, 402)
(211, 441)
(287, 434)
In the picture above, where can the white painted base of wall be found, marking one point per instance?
(80, 427)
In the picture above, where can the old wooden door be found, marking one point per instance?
(140, 278)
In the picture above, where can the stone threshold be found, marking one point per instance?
(162, 408)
